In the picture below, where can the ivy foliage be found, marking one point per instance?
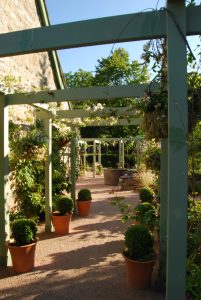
(27, 166)
(194, 249)
(152, 156)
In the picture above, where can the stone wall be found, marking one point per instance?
(34, 68)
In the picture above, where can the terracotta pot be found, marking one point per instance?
(136, 222)
(23, 257)
(139, 274)
(61, 224)
(84, 207)
(111, 176)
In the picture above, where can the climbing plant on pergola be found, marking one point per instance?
(174, 23)
(70, 118)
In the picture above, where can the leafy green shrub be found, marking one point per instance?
(194, 248)
(84, 195)
(28, 171)
(193, 279)
(145, 214)
(27, 164)
(29, 187)
(152, 159)
(146, 194)
(99, 169)
(126, 209)
(16, 215)
(23, 231)
(64, 204)
(139, 243)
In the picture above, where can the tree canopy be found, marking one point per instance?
(116, 69)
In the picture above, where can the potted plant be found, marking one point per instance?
(62, 216)
(155, 120)
(154, 107)
(22, 250)
(146, 194)
(99, 169)
(84, 202)
(145, 214)
(139, 256)
(112, 175)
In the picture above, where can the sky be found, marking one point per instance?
(64, 11)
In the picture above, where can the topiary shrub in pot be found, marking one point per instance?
(139, 256)
(84, 202)
(146, 194)
(146, 214)
(22, 250)
(62, 216)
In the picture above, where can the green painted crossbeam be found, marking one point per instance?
(84, 33)
(135, 138)
(80, 94)
(123, 28)
(106, 122)
(81, 113)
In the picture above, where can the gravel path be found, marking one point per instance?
(86, 264)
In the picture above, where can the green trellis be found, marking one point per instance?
(99, 141)
(174, 22)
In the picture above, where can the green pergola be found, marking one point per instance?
(174, 22)
(70, 117)
(99, 141)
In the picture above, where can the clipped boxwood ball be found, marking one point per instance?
(139, 243)
(84, 195)
(23, 231)
(64, 204)
(146, 194)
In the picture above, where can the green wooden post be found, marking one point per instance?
(99, 153)
(48, 176)
(163, 212)
(120, 156)
(4, 184)
(123, 154)
(177, 150)
(84, 157)
(94, 159)
(73, 167)
(138, 155)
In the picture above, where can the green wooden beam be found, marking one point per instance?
(81, 113)
(4, 185)
(81, 94)
(107, 122)
(48, 176)
(104, 122)
(53, 54)
(73, 168)
(136, 138)
(123, 28)
(177, 151)
(193, 26)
